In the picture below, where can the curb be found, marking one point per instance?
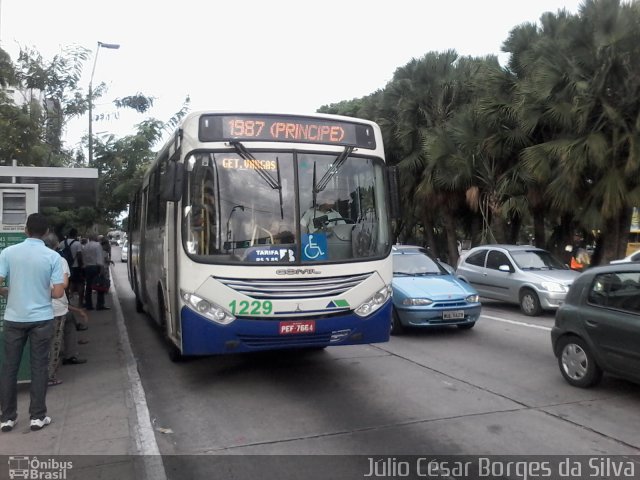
(144, 436)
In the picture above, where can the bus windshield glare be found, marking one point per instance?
(245, 207)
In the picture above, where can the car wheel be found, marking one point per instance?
(396, 326)
(577, 364)
(467, 326)
(529, 303)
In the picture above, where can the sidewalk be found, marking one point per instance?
(99, 413)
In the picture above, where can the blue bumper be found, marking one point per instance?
(201, 336)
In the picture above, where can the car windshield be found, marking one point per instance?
(537, 260)
(414, 264)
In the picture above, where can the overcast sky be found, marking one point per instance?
(259, 55)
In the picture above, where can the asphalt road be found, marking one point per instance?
(492, 390)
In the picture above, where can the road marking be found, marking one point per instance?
(514, 322)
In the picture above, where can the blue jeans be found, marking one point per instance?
(16, 335)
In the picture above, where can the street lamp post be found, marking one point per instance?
(113, 46)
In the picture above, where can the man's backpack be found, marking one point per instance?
(66, 252)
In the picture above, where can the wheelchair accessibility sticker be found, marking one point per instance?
(314, 246)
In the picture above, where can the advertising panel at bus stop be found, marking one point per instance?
(17, 202)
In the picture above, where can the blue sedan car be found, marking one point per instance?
(425, 294)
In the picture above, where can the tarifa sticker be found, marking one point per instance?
(271, 254)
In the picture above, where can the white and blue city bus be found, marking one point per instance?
(264, 231)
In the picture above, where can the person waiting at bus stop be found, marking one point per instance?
(76, 279)
(93, 258)
(35, 276)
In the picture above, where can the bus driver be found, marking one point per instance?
(315, 218)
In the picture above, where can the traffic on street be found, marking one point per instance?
(492, 390)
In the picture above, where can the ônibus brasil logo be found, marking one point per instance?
(36, 469)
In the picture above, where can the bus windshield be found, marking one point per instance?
(245, 207)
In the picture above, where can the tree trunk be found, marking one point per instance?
(450, 232)
(513, 229)
(476, 230)
(625, 229)
(610, 240)
(614, 237)
(539, 237)
(428, 234)
(498, 227)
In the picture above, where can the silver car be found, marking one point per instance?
(633, 257)
(124, 253)
(522, 274)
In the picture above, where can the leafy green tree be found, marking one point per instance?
(584, 79)
(7, 71)
(55, 83)
(31, 132)
(122, 162)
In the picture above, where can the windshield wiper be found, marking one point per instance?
(339, 161)
(242, 151)
(245, 154)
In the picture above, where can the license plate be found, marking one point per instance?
(297, 326)
(452, 315)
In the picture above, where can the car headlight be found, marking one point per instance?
(473, 299)
(373, 303)
(554, 287)
(416, 301)
(206, 308)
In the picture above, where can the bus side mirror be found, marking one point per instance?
(394, 192)
(171, 182)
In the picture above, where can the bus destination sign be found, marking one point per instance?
(274, 128)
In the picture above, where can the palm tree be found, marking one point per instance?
(585, 79)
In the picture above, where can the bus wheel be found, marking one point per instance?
(175, 355)
(139, 306)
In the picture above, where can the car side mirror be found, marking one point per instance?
(504, 268)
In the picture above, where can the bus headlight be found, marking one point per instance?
(374, 303)
(206, 308)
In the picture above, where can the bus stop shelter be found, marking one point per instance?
(57, 186)
(25, 190)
